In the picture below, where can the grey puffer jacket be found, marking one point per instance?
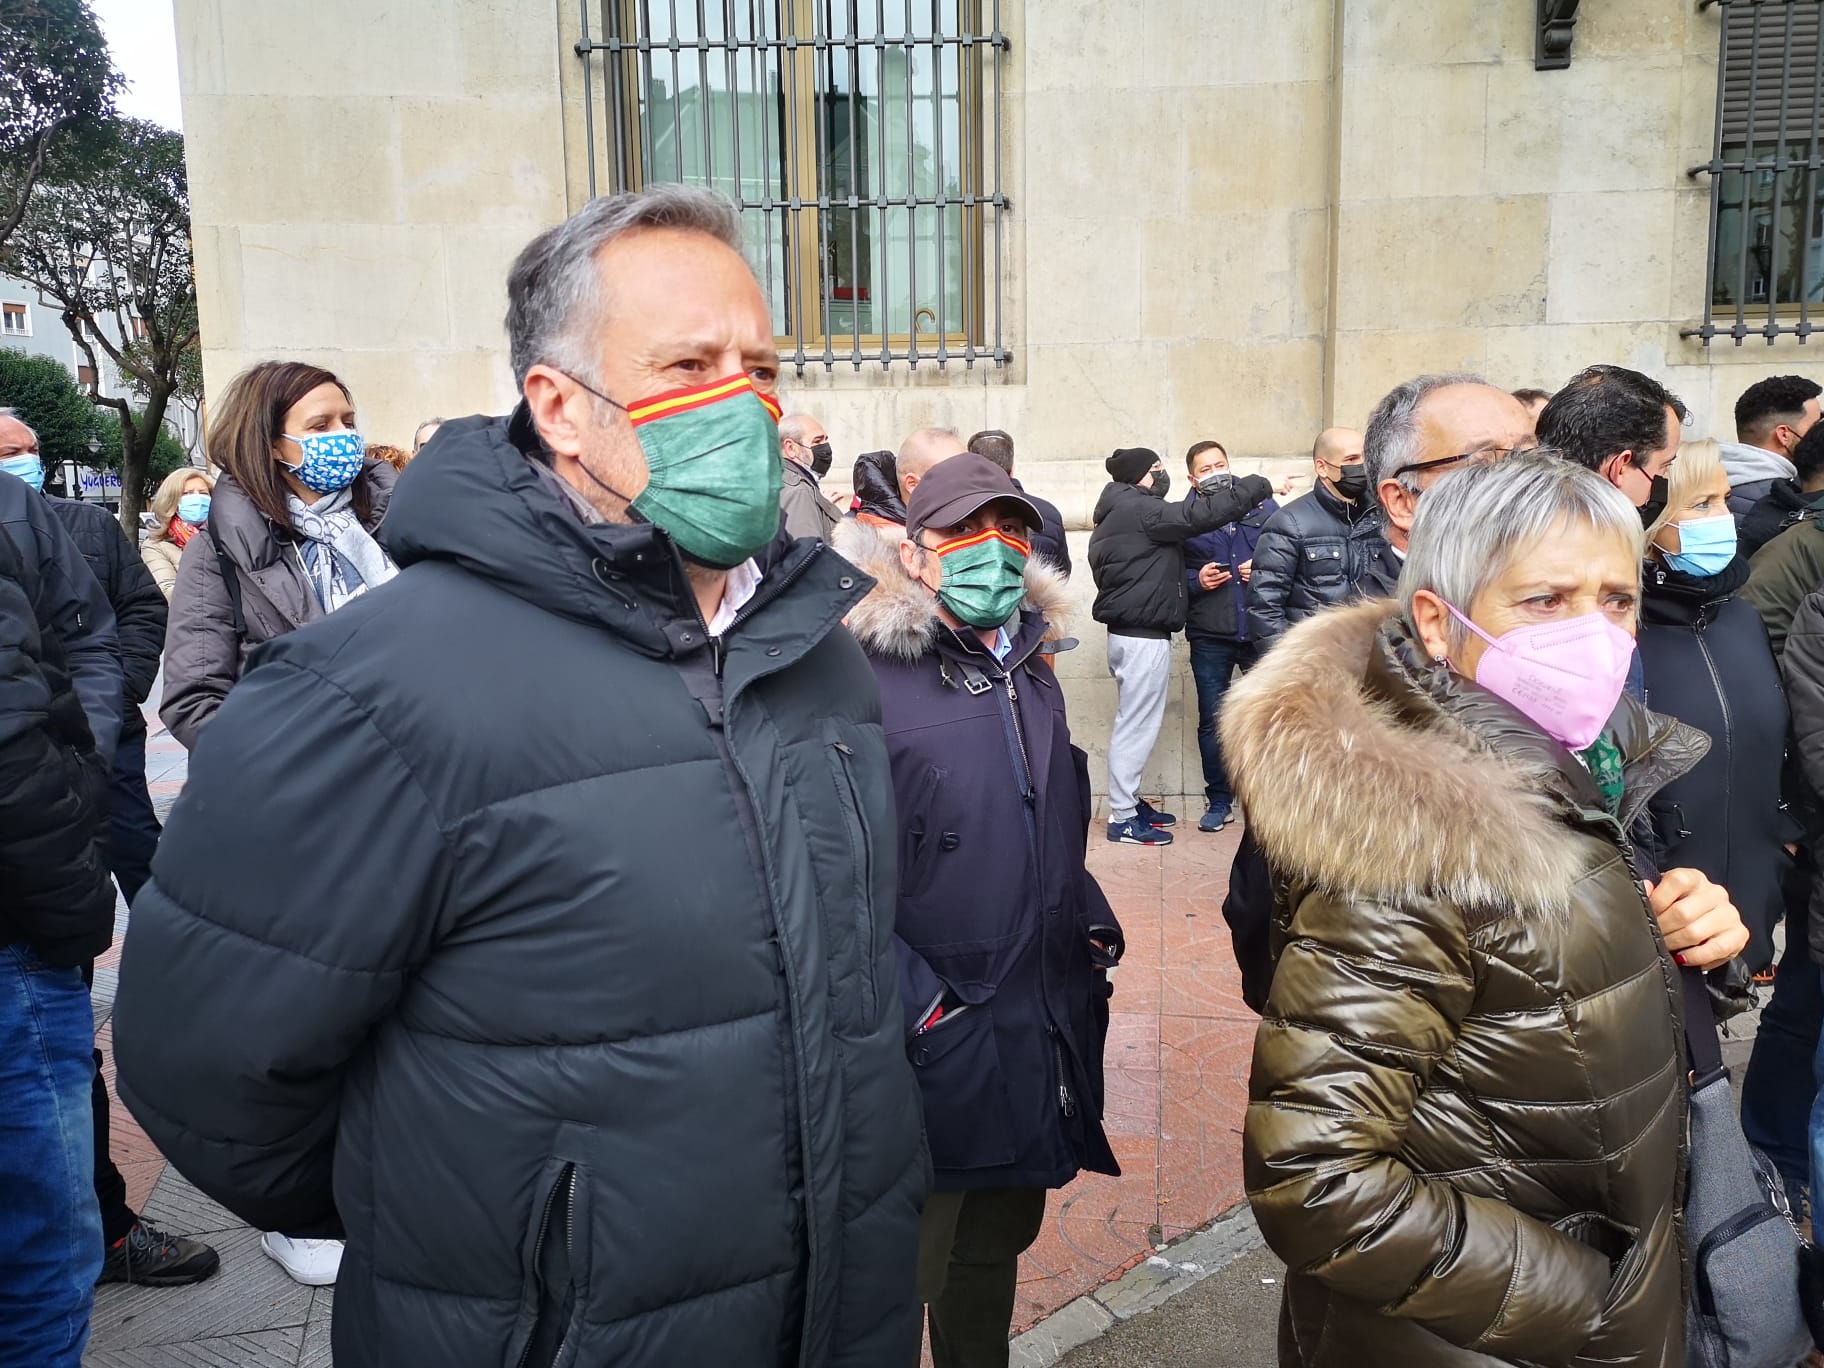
(204, 652)
(546, 949)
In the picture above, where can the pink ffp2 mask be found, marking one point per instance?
(1566, 676)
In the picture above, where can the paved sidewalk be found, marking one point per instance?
(1177, 1064)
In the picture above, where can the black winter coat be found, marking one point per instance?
(69, 605)
(138, 603)
(1221, 613)
(1783, 506)
(544, 947)
(995, 904)
(55, 894)
(1049, 542)
(1315, 553)
(1707, 663)
(1802, 668)
(1136, 552)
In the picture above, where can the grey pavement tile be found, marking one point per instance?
(178, 1207)
(104, 1012)
(249, 1295)
(316, 1331)
(263, 1349)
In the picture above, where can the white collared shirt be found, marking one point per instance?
(738, 590)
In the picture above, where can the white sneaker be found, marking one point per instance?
(314, 1263)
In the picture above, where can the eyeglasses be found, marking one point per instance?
(1443, 462)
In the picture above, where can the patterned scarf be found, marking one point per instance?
(1603, 759)
(339, 556)
(180, 532)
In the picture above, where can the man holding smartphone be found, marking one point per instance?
(1217, 566)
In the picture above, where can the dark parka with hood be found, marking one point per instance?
(205, 654)
(996, 907)
(1466, 1116)
(546, 948)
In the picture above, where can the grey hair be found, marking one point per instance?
(1473, 526)
(418, 433)
(554, 291)
(791, 427)
(15, 415)
(1392, 438)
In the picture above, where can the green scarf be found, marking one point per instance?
(1603, 759)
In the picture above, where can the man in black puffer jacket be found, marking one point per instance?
(529, 919)
(1317, 551)
(1136, 554)
(56, 912)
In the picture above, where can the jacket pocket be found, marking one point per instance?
(557, 1260)
(1322, 562)
(861, 853)
(918, 843)
(968, 1118)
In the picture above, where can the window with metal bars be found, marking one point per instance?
(1766, 174)
(859, 138)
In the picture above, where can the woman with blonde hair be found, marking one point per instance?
(181, 507)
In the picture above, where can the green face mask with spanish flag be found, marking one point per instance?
(713, 463)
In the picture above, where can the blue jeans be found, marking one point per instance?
(1779, 1089)
(1214, 661)
(50, 1224)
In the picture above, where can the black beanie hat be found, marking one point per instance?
(1130, 464)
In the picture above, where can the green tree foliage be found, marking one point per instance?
(167, 454)
(107, 240)
(55, 81)
(50, 403)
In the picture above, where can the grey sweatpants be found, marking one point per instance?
(1142, 666)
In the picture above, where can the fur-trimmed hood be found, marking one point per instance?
(899, 617)
(1360, 776)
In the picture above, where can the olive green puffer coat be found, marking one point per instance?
(1466, 1118)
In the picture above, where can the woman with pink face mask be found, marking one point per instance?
(1468, 1097)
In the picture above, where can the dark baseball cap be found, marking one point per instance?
(959, 486)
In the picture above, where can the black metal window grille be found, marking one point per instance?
(1766, 248)
(860, 138)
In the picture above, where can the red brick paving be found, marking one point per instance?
(1179, 1045)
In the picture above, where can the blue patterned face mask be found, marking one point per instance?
(331, 460)
(28, 468)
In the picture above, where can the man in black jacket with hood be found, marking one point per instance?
(56, 912)
(529, 918)
(1788, 502)
(1136, 555)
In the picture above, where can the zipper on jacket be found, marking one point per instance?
(1066, 1103)
(864, 870)
(565, 1187)
(755, 604)
(1722, 698)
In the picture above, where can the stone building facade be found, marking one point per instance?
(1221, 218)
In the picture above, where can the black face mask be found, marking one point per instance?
(821, 456)
(1216, 482)
(1161, 483)
(1352, 483)
(1657, 500)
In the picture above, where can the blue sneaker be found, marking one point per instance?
(1136, 832)
(1214, 820)
(1151, 815)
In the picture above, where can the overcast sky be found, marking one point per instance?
(144, 45)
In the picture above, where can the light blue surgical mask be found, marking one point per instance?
(28, 468)
(331, 460)
(1706, 546)
(194, 509)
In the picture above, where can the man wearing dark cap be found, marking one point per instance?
(1003, 937)
(1136, 556)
